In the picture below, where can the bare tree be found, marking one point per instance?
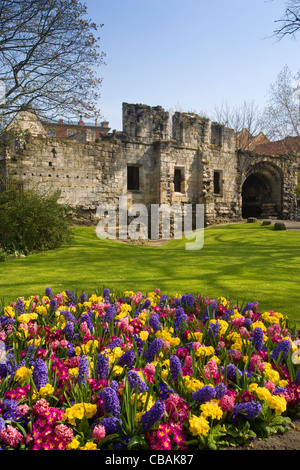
(48, 58)
(244, 119)
(290, 23)
(281, 116)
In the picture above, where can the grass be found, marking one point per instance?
(243, 262)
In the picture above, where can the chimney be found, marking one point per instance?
(81, 123)
(96, 122)
(61, 121)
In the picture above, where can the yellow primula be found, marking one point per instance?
(74, 371)
(211, 410)
(89, 446)
(46, 390)
(274, 318)
(236, 314)
(258, 324)
(73, 445)
(222, 301)
(23, 374)
(41, 310)
(262, 393)
(95, 299)
(9, 311)
(79, 411)
(142, 317)
(196, 336)
(271, 374)
(205, 351)
(27, 317)
(144, 335)
(88, 348)
(198, 425)
(277, 403)
(117, 370)
(141, 401)
(192, 384)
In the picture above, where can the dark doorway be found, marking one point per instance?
(256, 194)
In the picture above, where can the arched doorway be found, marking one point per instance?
(261, 192)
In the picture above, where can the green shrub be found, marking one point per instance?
(30, 221)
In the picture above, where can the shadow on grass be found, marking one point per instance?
(239, 262)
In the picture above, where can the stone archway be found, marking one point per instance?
(262, 191)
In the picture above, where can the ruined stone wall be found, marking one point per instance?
(197, 164)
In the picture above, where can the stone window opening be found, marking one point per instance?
(217, 182)
(53, 151)
(133, 178)
(178, 180)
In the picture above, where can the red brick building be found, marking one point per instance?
(67, 129)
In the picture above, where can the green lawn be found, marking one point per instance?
(243, 262)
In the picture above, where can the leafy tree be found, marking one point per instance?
(49, 56)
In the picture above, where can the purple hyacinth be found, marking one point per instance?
(213, 329)
(110, 401)
(175, 366)
(110, 314)
(40, 374)
(48, 292)
(247, 323)
(135, 380)
(114, 384)
(116, 343)
(87, 319)
(111, 425)
(188, 300)
(180, 318)
(2, 424)
(146, 304)
(248, 410)
(153, 415)
(69, 330)
(106, 295)
(258, 338)
(83, 297)
(68, 315)
(155, 323)
(20, 306)
(53, 304)
(127, 359)
(283, 347)
(83, 372)
(220, 391)
(233, 372)
(204, 394)
(153, 349)
(102, 367)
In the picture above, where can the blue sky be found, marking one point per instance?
(190, 55)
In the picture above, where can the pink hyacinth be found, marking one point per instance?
(32, 329)
(11, 436)
(40, 407)
(2, 336)
(226, 403)
(23, 409)
(256, 362)
(84, 328)
(64, 433)
(98, 433)
(211, 369)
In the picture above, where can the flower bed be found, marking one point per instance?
(143, 372)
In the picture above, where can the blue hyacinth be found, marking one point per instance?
(153, 415)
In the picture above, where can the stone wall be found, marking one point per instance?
(196, 164)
